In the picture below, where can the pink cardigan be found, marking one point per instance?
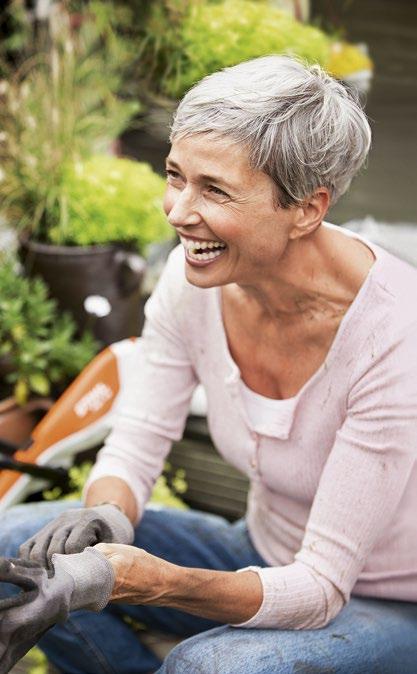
(332, 505)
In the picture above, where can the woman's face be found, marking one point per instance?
(224, 212)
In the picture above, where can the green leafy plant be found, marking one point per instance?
(36, 340)
(163, 53)
(35, 662)
(218, 35)
(167, 490)
(181, 41)
(56, 108)
(111, 199)
(15, 28)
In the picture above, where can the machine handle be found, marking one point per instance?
(59, 476)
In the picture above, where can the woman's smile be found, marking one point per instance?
(200, 252)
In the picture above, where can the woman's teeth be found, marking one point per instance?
(195, 249)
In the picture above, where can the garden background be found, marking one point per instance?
(86, 94)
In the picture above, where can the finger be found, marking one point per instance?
(5, 565)
(18, 599)
(24, 563)
(25, 550)
(38, 551)
(21, 575)
(57, 544)
(82, 537)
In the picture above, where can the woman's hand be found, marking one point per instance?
(75, 530)
(140, 578)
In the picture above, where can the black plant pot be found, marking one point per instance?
(99, 285)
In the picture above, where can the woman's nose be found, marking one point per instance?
(182, 210)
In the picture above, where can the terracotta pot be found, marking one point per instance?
(99, 285)
(18, 421)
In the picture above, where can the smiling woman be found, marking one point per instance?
(303, 337)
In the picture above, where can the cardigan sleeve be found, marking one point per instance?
(156, 399)
(359, 491)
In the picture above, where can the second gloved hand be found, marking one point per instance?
(77, 529)
(84, 580)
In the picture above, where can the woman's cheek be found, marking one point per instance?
(168, 201)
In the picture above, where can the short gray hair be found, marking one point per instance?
(302, 127)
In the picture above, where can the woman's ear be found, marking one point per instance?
(310, 214)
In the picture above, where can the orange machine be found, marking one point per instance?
(80, 419)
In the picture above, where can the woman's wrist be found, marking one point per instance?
(225, 596)
(113, 503)
(116, 491)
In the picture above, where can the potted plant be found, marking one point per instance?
(246, 29)
(93, 259)
(39, 353)
(57, 109)
(181, 41)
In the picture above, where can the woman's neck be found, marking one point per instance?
(318, 277)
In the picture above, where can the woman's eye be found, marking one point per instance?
(171, 174)
(174, 175)
(218, 191)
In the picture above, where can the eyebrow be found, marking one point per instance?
(204, 176)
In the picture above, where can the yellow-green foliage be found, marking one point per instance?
(170, 496)
(215, 35)
(58, 106)
(346, 59)
(35, 662)
(184, 40)
(111, 199)
(163, 493)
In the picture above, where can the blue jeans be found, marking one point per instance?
(367, 637)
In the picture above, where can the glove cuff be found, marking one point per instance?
(120, 525)
(93, 578)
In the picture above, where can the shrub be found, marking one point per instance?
(215, 35)
(167, 490)
(184, 40)
(37, 341)
(58, 106)
(110, 199)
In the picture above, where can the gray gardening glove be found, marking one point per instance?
(84, 580)
(75, 530)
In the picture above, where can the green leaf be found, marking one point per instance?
(39, 384)
(21, 391)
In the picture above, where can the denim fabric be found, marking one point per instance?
(368, 636)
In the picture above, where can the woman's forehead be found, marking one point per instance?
(211, 155)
